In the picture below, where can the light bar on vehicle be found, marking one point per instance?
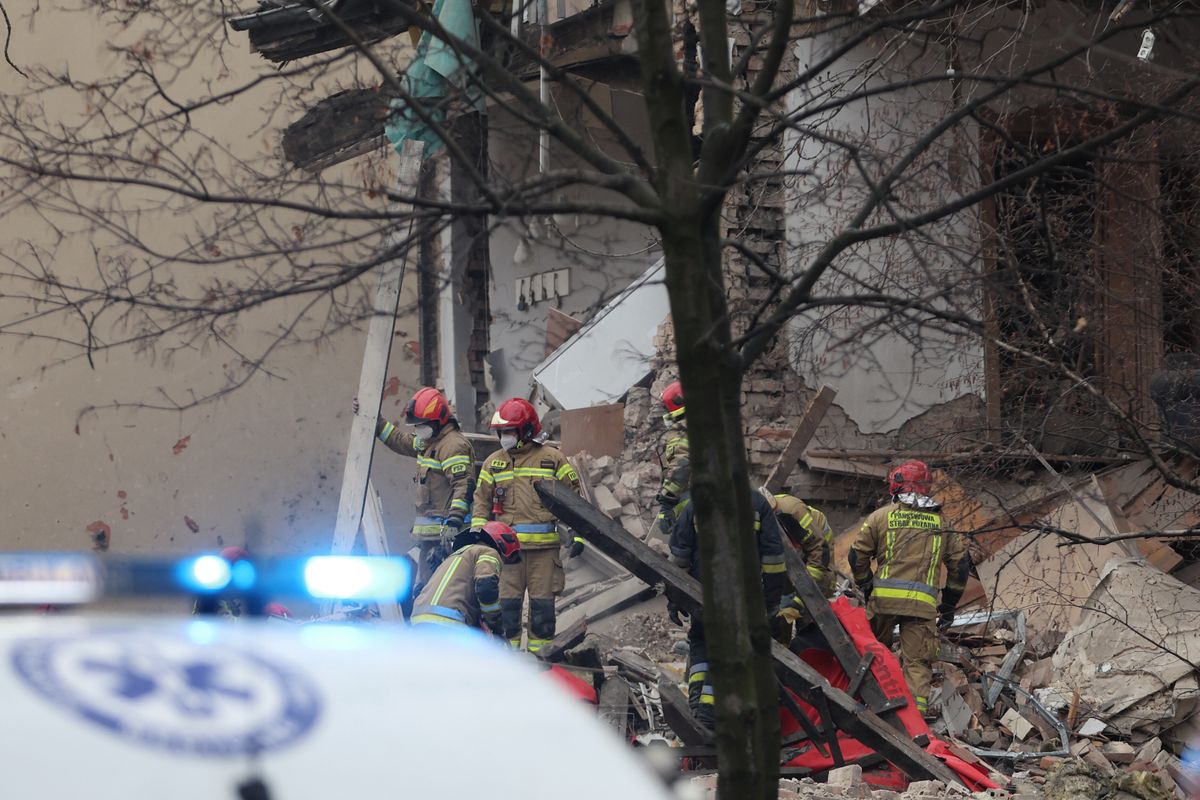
(49, 578)
(357, 578)
(73, 578)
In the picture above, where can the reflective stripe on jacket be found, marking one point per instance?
(511, 476)
(808, 530)
(768, 537)
(465, 589)
(909, 547)
(445, 466)
(675, 458)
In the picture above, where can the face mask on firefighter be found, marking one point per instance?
(509, 440)
(424, 432)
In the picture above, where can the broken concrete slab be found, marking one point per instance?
(1019, 726)
(956, 713)
(1092, 727)
(605, 501)
(1051, 583)
(1124, 648)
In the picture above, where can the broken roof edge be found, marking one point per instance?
(540, 374)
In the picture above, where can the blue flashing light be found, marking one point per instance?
(205, 574)
(357, 578)
(243, 576)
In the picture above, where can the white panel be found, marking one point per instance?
(613, 351)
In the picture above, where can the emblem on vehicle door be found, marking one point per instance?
(172, 693)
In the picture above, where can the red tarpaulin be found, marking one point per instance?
(886, 669)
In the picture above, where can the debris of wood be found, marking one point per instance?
(803, 434)
(563, 641)
(618, 597)
(795, 674)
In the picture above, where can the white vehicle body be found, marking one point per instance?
(117, 709)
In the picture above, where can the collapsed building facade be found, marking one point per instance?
(1050, 383)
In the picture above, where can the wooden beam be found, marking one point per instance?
(831, 628)
(617, 598)
(614, 705)
(850, 716)
(563, 641)
(803, 434)
(617, 543)
(372, 377)
(679, 716)
(375, 538)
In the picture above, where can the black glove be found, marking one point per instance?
(945, 616)
(675, 613)
(866, 587)
(575, 549)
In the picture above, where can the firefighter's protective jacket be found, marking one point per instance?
(808, 530)
(444, 468)
(909, 547)
(505, 492)
(685, 548)
(676, 461)
(464, 589)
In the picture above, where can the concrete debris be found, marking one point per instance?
(1125, 658)
(1085, 688)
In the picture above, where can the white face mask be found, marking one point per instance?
(509, 441)
(424, 432)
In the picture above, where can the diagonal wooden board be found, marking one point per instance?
(801, 436)
(373, 374)
(636, 556)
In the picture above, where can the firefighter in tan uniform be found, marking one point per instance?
(445, 464)
(465, 589)
(676, 462)
(806, 529)
(505, 493)
(907, 543)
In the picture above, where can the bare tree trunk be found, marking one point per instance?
(747, 720)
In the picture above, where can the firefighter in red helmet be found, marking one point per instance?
(445, 473)
(465, 589)
(673, 455)
(505, 493)
(908, 544)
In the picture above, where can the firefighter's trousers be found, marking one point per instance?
(918, 648)
(700, 690)
(540, 572)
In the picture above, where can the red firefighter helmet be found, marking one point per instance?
(911, 476)
(519, 413)
(503, 539)
(234, 554)
(672, 398)
(427, 405)
(277, 610)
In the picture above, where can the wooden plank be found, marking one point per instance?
(372, 376)
(597, 430)
(849, 715)
(618, 544)
(835, 635)
(611, 601)
(679, 716)
(803, 434)
(614, 705)
(857, 468)
(859, 721)
(375, 538)
(563, 641)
